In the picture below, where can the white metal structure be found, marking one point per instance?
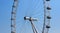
(47, 17)
(13, 16)
(31, 19)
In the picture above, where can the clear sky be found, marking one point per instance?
(32, 8)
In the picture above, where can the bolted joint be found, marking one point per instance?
(30, 19)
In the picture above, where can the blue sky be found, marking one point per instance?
(32, 8)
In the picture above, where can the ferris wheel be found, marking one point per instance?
(32, 17)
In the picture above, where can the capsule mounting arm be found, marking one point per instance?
(30, 18)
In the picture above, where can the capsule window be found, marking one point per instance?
(13, 12)
(12, 19)
(15, 0)
(14, 6)
(24, 18)
(47, 0)
(12, 32)
(47, 26)
(48, 8)
(48, 17)
(12, 26)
